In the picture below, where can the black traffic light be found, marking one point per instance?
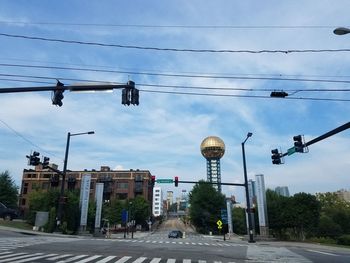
(46, 161)
(126, 96)
(34, 159)
(55, 179)
(176, 181)
(278, 94)
(153, 180)
(57, 95)
(298, 143)
(135, 96)
(276, 157)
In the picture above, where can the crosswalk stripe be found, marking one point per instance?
(171, 260)
(155, 260)
(186, 261)
(20, 257)
(59, 257)
(34, 258)
(104, 260)
(72, 259)
(217, 261)
(200, 244)
(3, 253)
(202, 261)
(88, 259)
(140, 260)
(123, 259)
(16, 254)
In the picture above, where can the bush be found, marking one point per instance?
(344, 240)
(323, 240)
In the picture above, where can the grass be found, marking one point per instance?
(16, 224)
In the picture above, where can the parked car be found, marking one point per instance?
(175, 234)
(7, 213)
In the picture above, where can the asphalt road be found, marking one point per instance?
(158, 248)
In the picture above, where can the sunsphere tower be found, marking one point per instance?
(213, 148)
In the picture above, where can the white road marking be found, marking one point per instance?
(20, 257)
(88, 259)
(155, 260)
(34, 258)
(321, 252)
(106, 259)
(140, 260)
(60, 256)
(171, 260)
(123, 260)
(72, 259)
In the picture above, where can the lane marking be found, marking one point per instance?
(72, 259)
(155, 260)
(321, 252)
(34, 258)
(60, 256)
(140, 260)
(88, 259)
(123, 260)
(106, 259)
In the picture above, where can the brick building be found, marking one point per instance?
(121, 184)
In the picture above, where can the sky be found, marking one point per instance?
(170, 49)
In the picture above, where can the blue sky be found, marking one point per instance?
(163, 134)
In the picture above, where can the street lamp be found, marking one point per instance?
(341, 31)
(61, 199)
(250, 225)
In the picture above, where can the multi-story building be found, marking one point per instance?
(343, 194)
(169, 198)
(121, 184)
(282, 190)
(157, 207)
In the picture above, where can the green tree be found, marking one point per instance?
(306, 213)
(239, 221)
(205, 207)
(8, 190)
(140, 210)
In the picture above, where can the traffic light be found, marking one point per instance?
(55, 179)
(278, 94)
(298, 143)
(57, 95)
(46, 161)
(34, 159)
(276, 157)
(176, 181)
(153, 180)
(126, 96)
(135, 96)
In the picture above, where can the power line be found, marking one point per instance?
(172, 26)
(176, 49)
(27, 140)
(243, 96)
(176, 75)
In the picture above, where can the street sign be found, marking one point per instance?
(124, 216)
(290, 151)
(165, 181)
(219, 223)
(224, 216)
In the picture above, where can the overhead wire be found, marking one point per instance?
(26, 139)
(175, 49)
(175, 75)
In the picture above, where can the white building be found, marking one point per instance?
(157, 206)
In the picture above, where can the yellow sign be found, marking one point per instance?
(219, 223)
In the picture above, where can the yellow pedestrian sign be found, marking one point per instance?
(219, 223)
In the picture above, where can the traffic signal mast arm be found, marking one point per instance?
(97, 87)
(324, 136)
(196, 182)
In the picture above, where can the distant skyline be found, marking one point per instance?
(202, 68)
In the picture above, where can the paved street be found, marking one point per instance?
(156, 247)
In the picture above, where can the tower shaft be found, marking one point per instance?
(213, 172)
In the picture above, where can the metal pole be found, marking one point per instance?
(250, 227)
(60, 204)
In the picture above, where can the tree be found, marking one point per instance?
(8, 190)
(139, 210)
(205, 207)
(239, 221)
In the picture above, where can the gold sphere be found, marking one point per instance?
(212, 147)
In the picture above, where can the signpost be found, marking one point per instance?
(165, 181)
(290, 151)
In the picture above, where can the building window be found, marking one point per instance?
(123, 185)
(25, 188)
(122, 196)
(92, 184)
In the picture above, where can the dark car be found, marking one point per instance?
(175, 234)
(7, 213)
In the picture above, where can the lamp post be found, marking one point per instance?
(61, 198)
(341, 31)
(250, 226)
